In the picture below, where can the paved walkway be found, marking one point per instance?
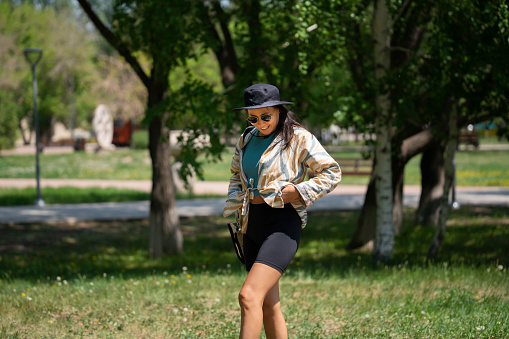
(345, 197)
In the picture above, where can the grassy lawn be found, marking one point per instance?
(474, 168)
(94, 280)
(73, 195)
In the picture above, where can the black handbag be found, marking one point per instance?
(237, 239)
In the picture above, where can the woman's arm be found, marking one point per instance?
(328, 172)
(235, 196)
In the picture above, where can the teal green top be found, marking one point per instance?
(252, 154)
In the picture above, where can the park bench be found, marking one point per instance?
(352, 166)
(469, 138)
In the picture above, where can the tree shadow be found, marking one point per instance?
(35, 252)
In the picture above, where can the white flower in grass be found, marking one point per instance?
(480, 328)
(28, 298)
(58, 278)
(186, 309)
(184, 268)
(422, 312)
(165, 273)
(166, 281)
(223, 283)
(500, 267)
(185, 319)
(218, 300)
(228, 265)
(158, 283)
(91, 284)
(175, 310)
(65, 282)
(366, 316)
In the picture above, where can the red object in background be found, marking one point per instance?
(122, 133)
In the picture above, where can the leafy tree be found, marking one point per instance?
(432, 60)
(8, 120)
(166, 35)
(67, 55)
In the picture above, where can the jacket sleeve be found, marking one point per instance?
(235, 195)
(328, 172)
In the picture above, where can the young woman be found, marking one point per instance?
(269, 196)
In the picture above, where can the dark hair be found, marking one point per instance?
(287, 121)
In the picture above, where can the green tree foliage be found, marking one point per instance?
(65, 72)
(8, 120)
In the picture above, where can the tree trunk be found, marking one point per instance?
(384, 235)
(432, 183)
(449, 175)
(366, 225)
(223, 47)
(365, 231)
(165, 234)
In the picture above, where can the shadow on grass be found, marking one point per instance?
(475, 236)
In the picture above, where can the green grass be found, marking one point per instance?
(69, 195)
(73, 195)
(94, 280)
(474, 168)
(121, 164)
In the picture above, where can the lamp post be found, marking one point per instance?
(33, 56)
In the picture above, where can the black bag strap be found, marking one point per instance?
(236, 244)
(246, 132)
(233, 234)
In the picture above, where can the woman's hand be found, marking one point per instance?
(290, 194)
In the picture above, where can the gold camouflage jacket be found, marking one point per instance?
(278, 169)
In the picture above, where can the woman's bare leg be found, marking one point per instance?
(260, 280)
(273, 320)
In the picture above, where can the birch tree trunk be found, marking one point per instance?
(384, 235)
(449, 175)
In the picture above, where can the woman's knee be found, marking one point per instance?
(248, 298)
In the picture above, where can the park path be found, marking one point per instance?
(344, 197)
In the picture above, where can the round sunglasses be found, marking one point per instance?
(263, 117)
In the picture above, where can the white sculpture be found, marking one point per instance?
(103, 127)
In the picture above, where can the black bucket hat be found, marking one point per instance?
(261, 95)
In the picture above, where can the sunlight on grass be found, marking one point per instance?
(94, 280)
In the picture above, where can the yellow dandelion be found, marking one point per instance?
(189, 276)
(22, 294)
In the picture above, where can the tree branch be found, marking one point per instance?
(115, 42)
(400, 12)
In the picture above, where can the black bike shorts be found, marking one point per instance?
(272, 237)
